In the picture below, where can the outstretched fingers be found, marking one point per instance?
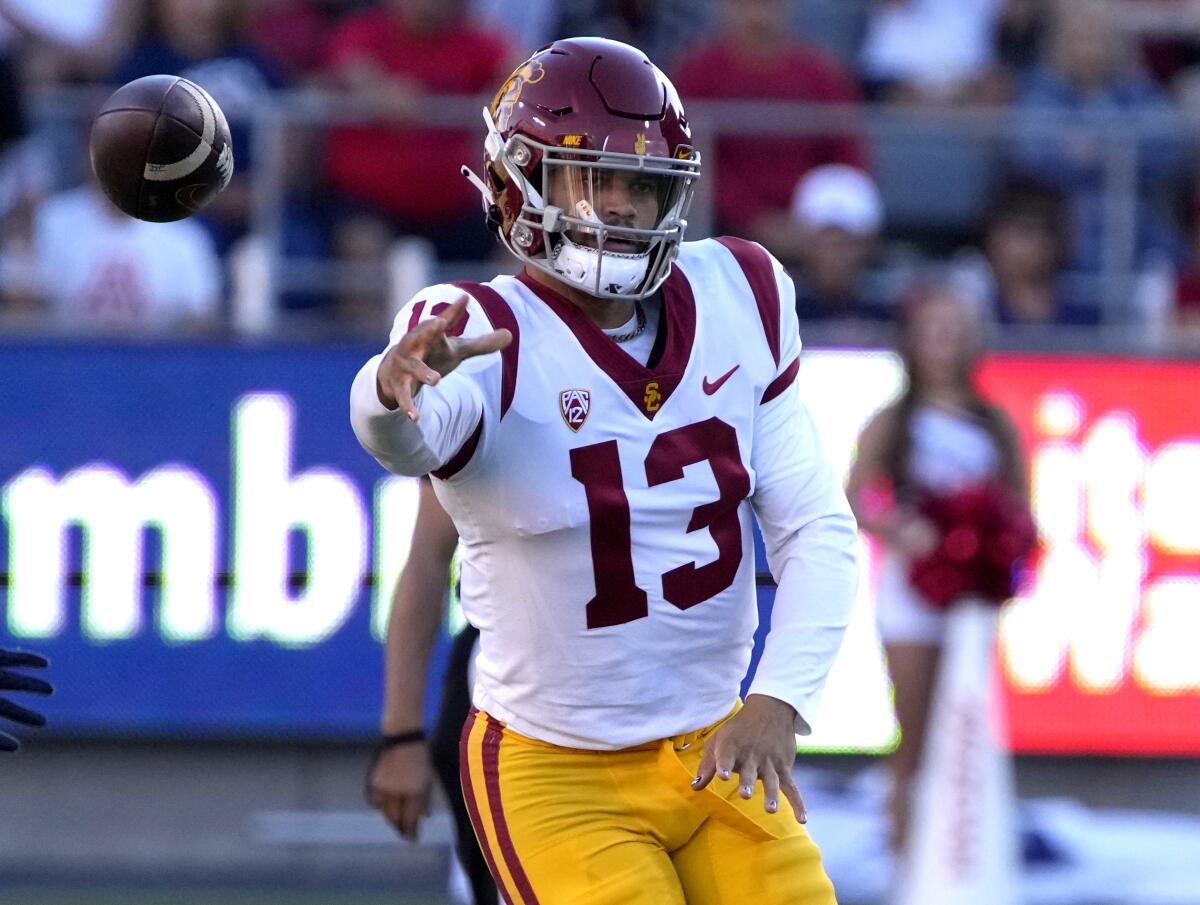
(787, 786)
(22, 659)
(451, 315)
(707, 769)
(413, 372)
(15, 681)
(427, 352)
(484, 345)
(407, 368)
(747, 779)
(17, 714)
(770, 781)
(717, 760)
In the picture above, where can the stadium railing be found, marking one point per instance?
(935, 169)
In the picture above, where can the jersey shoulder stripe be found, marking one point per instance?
(501, 316)
(759, 271)
(782, 382)
(462, 457)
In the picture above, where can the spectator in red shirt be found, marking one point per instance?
(291, 34)
(756, 58)
(390, 58)
(1168, 297)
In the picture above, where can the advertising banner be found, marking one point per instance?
(194, 536)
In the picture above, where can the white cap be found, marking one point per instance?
(840, 196)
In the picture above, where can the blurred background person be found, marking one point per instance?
(202, 40)
(1167, 32)
(69, 41)
(1021, 30)
(402, 773)
(838, 216)
(39, 44)
(753, 56)
(659, 28)
(930, 51)
(1168, 296)
(20, 174)
(1090, 70)
(398, 176)
(529, 24)
(292, 34)
(100, 271)
(938, 436)
(1019, 273)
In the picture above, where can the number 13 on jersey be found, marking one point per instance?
(598, 468)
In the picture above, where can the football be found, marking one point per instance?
(160, 148)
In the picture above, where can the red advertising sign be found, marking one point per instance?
(1101, 652)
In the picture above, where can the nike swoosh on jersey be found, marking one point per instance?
(715, 385)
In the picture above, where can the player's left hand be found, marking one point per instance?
(757, 742)
(15, 681)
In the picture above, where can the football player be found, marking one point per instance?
(601, 429)
(11, 660)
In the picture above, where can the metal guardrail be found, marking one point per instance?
(1120, 134)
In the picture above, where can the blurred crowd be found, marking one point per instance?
(1038, 157)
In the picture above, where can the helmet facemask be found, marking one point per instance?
(606, 222)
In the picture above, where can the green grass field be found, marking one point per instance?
(41, 895)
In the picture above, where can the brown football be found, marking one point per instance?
(160, 147)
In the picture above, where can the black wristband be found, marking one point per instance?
(401, 738)
(385, 743)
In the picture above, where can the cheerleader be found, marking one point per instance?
(940, 435)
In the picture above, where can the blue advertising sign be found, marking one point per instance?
(195, 538)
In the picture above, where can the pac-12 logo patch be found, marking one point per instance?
(575, 405)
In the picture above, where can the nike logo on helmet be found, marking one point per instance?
(712, 387)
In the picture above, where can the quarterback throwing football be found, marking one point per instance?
(600, 428)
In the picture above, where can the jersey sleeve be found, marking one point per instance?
(453, 413)
(810, 535)
(787, 368)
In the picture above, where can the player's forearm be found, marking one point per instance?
(450, 413)
(817, 586)
(812, 545)
(412, 631)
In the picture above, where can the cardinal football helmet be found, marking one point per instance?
(575, 116)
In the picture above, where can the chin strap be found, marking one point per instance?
(491, 210)
(478, 183)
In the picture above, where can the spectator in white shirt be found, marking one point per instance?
(929, 50)
(101, 271)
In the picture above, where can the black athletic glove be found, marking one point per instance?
(15, 681)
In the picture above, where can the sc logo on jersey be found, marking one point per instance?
(653, 397)
(574, 406)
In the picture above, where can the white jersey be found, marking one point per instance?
(949, 449)
(605, 506)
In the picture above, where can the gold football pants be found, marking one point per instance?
(560, 826)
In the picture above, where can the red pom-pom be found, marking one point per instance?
(985, 532)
